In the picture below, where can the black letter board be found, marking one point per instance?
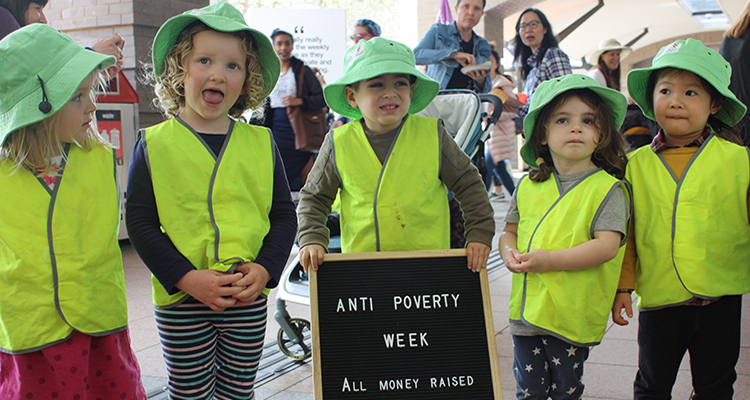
(402, 325)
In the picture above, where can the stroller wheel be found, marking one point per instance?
(296, 348)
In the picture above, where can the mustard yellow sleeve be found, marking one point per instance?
(627, 273)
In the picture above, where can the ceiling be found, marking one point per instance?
(623, 20)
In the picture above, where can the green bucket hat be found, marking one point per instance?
(223, 17)
(689, 55)
(377, 56)
(548, 90)
(42, 68)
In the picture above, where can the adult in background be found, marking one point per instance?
(536, 54)
(447, 48)
(501, 145)
(736, 50)
(364, 29)
(297, 164)
(27, 12)
(606, 61)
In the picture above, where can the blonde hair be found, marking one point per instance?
(169, 86)
(739, 26)
(33, 146)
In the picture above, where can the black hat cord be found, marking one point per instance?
(44, 106)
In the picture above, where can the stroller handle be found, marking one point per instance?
(497, 106)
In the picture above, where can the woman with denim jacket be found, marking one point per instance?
(446, 48)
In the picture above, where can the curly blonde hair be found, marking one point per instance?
(169, 86)
(33, 146)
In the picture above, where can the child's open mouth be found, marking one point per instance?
(213, 97)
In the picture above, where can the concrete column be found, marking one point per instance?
(493, 27)
(427, 11)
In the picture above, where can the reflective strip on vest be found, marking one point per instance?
(703, 248)
(214, 210)
(399, 206)
(60, 259)
(571, 305)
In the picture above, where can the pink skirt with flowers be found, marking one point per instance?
(81, 368)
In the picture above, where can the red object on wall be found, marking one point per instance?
(109, 122)
(118, 90)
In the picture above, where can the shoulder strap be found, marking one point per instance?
(301, 76)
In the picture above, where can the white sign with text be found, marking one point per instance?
(319, 35)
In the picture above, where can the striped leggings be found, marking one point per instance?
(212, 354)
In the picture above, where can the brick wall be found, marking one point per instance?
(137, 21)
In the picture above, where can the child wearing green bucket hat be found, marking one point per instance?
(689, 253)
(209, 210)
(565, 232)
(63, 309)
(390, 166)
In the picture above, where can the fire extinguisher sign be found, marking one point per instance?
(110, 127)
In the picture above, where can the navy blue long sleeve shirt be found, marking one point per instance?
(159, 253)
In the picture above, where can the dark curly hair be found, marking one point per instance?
(611, 150)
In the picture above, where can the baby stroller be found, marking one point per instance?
(461, 112)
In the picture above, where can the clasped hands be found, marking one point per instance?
(220, 291)
(536, 260)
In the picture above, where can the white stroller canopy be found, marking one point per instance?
(461, 112)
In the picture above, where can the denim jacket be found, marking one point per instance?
(441, 41)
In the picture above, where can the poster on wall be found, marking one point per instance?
(109, 123)
(319, 35)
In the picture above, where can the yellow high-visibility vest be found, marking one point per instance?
(60, 260)
(214, 210)
(399, 206)
(692, 233)
(572, 305)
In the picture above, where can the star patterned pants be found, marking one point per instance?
(547, 367)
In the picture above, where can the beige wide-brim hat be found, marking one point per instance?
(609, 45)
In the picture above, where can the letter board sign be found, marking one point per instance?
(402, 325)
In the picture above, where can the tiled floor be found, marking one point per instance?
(609, 370)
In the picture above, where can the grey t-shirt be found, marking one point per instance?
(613, 217)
